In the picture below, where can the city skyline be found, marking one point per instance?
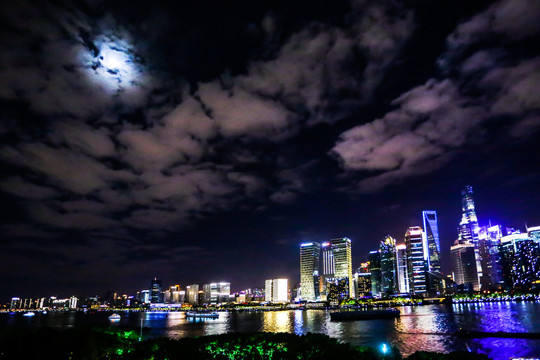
(318, 262)
(323, 260)
(166, 140)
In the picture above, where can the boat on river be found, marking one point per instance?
(198, 314)
(364, 314)
(30, 313)
(115, 317)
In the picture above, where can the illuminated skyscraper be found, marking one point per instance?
(192, 294)
(416, 260)
(375, 271)
(388, 266)
(217, 293)
(468, 227)
(431, 240)
(277, 290)
(155, 291)
(362, 279)
(309, 270)
(521, 260)
(402, 270)
(534, 234)
(339, 259)
(464, 268)
(489, 240)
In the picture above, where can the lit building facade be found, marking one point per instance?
(431, 240)
(375, 271)
(387, 251)
(416, 260)
(217, 293)
(489, 240)
(309, 271)
(468, 227)
(402, 269)
(534, 233)
(192, 294)
(520, 258)
(341, 248)
(277, 290)
(362, 279)
(464, 269)
(155, 291)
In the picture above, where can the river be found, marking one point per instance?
(428, 328)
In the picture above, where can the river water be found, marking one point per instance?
(427, 328)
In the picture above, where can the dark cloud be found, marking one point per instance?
(432, 122)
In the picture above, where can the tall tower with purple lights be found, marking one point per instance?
(468, 227)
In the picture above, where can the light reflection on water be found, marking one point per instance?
(277, 321)
(428, 328)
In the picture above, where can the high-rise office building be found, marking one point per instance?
(341, 248)
(362, 279)
(155, 291)
(375, 271)
(217, 293)
(520, 258)
(464, 269)
(468, 227)
(431, 240)
(534, 233)
(402, 269)
(192, 294)
(277, 290)
(416, 260)
(387, 251)
(309, 271)
(489, 240)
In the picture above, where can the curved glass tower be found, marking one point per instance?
(431, 241)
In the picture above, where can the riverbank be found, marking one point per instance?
(97, 343)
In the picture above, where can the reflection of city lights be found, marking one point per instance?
(276, 321)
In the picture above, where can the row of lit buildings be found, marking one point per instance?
(482, 259)
(485, 259)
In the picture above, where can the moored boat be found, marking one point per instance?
(115, 317)
(30, 313)
(364, 314)
(196, 314)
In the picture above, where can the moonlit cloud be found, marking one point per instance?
(432, 121)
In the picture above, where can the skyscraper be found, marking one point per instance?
(216, 293)
(534, 233)
(192, 294)
(431, 240)
(401, 267)
(416, 260)
(309, 270)
(521, 260)
(375, 271)
(342, 257)
(155, 291)
(489, 240)
(468, 227)
(363, 280)
(464, 268)
(388, 266)
(276, 290)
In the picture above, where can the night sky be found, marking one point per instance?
(205, 141)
